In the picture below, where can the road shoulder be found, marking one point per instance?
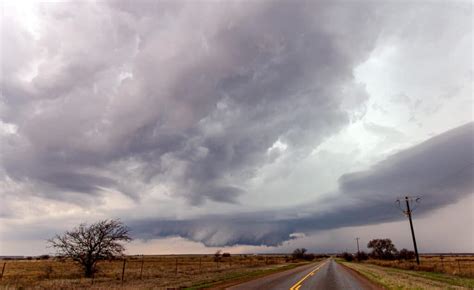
(364, 281)
(392, 278)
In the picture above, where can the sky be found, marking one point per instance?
(253, 127)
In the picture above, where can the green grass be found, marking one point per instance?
(440, 277)
(386, 282)
(243, 276)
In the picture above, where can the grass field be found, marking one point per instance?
(462, 266)
(393, 278)
(150, 272)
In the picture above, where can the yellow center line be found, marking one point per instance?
(298, 284)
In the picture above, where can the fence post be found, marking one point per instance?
(176, 267)
(200, 265)
(123, 269)
(459, 266)
(141, 268)
(3, 269)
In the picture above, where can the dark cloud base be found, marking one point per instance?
(440, 170)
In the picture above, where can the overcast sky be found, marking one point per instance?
(251, 126)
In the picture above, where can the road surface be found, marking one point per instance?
(323, 275)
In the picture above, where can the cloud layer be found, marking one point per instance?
(439, 170)
(219, 122)
(189, 96)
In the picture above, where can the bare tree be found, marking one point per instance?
(217, 255)
(299, 253)
(89, 244)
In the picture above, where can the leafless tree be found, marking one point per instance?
(87, 244)
(217, 255)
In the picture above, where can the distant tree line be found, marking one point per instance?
(302, 254)
(382, 249)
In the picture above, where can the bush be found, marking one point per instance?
(347, 256)
(362, 256)
(226, 255)
(405, 254)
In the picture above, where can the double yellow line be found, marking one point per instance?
(298, 284)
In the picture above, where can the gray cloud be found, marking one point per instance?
(191, 95)
(167, 102)
(440, 170)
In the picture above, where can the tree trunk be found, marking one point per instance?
(89, 270)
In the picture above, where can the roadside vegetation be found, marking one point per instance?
(393, 278)
(394, 269)
(92, 256)
(170, 271)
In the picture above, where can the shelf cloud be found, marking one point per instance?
(439, 170)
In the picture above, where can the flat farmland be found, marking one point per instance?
(156, 272)
(457, 265)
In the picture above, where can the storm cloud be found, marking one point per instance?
(187, 95)
(440, 171)
(232, 123)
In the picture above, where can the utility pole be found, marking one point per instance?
(358, 251)
(412, 230)
(408, 212)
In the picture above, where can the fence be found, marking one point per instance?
(134, 267)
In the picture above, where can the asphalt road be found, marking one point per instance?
(323, 275)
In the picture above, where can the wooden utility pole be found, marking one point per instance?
(408, 212)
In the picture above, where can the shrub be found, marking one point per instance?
(362, 256)
(405, 254)
(347, 256)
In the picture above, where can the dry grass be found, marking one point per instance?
(392, 278)
(158, 272)
(454, 265)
